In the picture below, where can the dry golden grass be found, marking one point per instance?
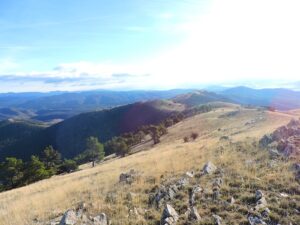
(50, 198)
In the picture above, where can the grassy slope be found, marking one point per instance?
(52, 197)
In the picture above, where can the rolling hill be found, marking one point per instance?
(69, 136)
(199, 97)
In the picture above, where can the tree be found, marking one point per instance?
(155, 134)
(168, 122)
(162, 129)
(68, 166)
(94, 150)
(51, 158)
(11, 172)
(35, 170)
(117, 145)
(140, 136)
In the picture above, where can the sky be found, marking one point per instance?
(48, 45)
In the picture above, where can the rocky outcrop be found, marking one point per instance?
(285, 140)
(166, 193)
(72, 217)
(169, 216)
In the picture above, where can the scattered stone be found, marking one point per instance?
(190, 174)
(69, 218)
(209, 168)
(217, 219)
(284, 195)
(169, 216)
(182, 182)
(193, 214)
(216, 188)
(265, 213)
(192, 194)
(258, 195)
(232, 200)
(255, 220)
(261, 202)
(100, 219)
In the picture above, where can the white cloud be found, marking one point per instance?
(7, 65)
(234, 40)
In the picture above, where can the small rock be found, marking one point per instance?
(209, 168)
(69, 218)
(169, 216)
(265, 213)
(255, 220)
(217, 219)
(193, 214)
(190, 174)
(100, 219)
(182, 182)
(232, 200)
(284, 195)
(258, 195)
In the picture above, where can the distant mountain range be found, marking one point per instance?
(279, 98)
(56, 106)
(82, 114)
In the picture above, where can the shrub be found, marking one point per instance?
(186, 139)
(68, 166)
(194, 135)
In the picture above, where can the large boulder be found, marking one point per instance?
(169, 216)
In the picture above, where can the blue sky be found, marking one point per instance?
(146, 44)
